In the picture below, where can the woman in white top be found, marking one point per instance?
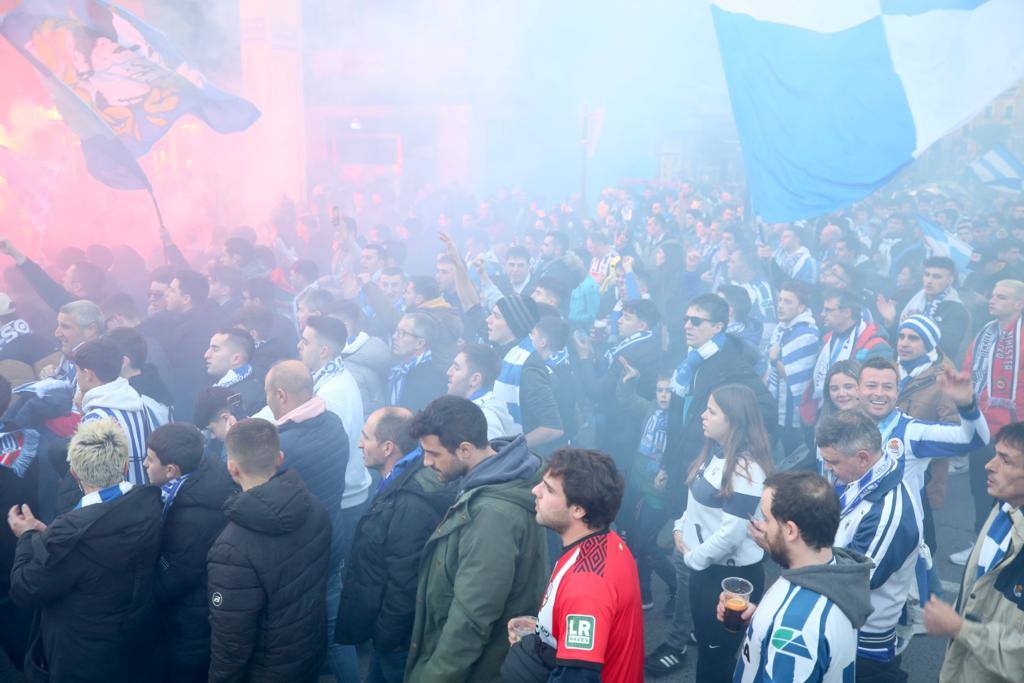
(725, 484)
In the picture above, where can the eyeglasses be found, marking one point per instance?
(696, 321)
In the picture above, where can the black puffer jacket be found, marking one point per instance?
(267, 583)
(193, 522)
(378, 601)
(317, 449)
(90, 573)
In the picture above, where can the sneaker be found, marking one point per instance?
(664, 660)
(961, 557)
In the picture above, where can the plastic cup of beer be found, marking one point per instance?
(523, 626)
(737, 597)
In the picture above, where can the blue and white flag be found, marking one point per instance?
(941, 243)
(999, 169)
(833, 97)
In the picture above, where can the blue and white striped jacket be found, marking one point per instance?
(799, 342)
(118, 400)
(886, 527)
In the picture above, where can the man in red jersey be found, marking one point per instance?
(590, 625)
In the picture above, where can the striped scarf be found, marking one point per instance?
(683, 375)
(614, 352)
(909, 369)
(797, 342)
(506, 387)
(853, 493)
(983, 366)
(18, 449)
(919, 303)
(169, 490)
(234, 376)
(105, 495)
(996, 543)
(396, 380)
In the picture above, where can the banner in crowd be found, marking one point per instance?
(832, 98)
(119, 83)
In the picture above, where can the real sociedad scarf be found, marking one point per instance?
(234, 376)
(506, 387)
(396, 380)
(333, 367)
(919, 303)
(992, 341)
(683, 375)
(18, 449)
(558, 358)
(170, 490)
(614, 352)
(105, 495)
(853, 493)
(996, 542)
(837, 349)
(13, 330)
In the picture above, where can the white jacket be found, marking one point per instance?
(499, 420)
(341, 394)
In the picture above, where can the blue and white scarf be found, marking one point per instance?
(614, 352)
(683, 375)
(234, 376)
(333, 367)
(909, 369)
(653, 440)
(919, 303)
(105, 495)
(853, 493)
(558, 358)
(169, 490)
(996, 542)
(12, 330)
(506, 387)
(396, 380)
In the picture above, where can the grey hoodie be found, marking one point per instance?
(846, 583)
(512, 461)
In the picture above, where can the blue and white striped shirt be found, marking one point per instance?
(797, 634)
(799, 343)
(885, 526)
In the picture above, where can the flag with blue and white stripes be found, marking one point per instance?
(940, 243)
(999, 169)
(832, 98)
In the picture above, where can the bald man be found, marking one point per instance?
(315, 445)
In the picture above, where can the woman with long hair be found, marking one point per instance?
(725, 483)
(841, 388)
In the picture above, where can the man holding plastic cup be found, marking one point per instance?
(805, 627)
(590, 625)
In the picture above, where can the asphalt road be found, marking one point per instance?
(923, 657)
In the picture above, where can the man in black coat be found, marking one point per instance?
(417, 378)
(714, 359)
(268, 568)
(90, 573)
(229, 364)
(378, 601)
(193, 490)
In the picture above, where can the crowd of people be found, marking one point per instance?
(468, 446)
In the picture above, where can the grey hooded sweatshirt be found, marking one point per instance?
(846, 583)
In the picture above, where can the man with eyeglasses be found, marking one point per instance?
(417, 378)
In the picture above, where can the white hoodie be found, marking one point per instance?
(118, 400)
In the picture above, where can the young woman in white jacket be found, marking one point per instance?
(725, 483)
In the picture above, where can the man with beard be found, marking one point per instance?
(795, 624)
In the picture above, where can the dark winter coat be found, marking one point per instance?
(317, 449)
(91, 575)
(378, 601)
(423, 384)
(485, 563)
(267, 583)
(193, 522)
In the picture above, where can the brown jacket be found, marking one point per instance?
(922, 398)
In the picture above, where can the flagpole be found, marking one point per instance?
(156, 206)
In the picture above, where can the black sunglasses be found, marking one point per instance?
(697, 321)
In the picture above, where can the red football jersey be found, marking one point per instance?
(591, 611)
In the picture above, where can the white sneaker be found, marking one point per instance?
(961, 557)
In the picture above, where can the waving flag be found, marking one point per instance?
(999, 169)
(833, 97)
(117, 82)
(940, 243)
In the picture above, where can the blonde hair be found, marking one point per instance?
(98, 453)
(1015, 286)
